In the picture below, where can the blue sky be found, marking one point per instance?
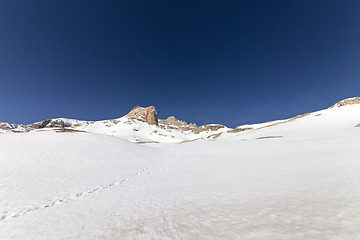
(229, 62)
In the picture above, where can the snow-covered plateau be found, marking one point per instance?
(125, 178)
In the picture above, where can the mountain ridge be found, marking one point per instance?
(142, 124)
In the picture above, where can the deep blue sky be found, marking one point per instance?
(229, 62)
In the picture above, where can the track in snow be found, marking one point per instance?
(74, 197)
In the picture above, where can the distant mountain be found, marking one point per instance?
(141, 125)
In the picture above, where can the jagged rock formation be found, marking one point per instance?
(173, 123)
(207, 128)
(50, 123)
(13, 127)
(148, 114)
(6, 126)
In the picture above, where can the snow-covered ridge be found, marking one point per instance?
(347, 101)
(141, 125)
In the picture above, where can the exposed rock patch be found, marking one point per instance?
(207, 128)
(239, 129)
(214, 136)
(358, 125)
(349, 101)
(299, 116)
(269, 137)
(192, 140)
(63, 130)
(143, 142)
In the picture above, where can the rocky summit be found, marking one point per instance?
(147, 114)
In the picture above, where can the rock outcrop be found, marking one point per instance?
(349, 101)
(41, 124)
(13, 127)
(148, 115)
(173, 123)
(137, 113)
(207, 128)
(50, 123)
(151, 116)
(240, 129)
(6, 126)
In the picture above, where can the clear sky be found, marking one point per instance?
(229, 62)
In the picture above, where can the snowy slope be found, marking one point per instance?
(335, 121)
(289, 179)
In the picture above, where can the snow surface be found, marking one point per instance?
(288, 179)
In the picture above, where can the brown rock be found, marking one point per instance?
(137, 113)
(151, 115)
(240, 129)
(207, 128)
(148, 114)
(173, 123)
(171, 120)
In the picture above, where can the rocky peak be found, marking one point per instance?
(207, 128)
(50, 123)
(171, 120)
(173, 123)
(137, 112)
(148, 114)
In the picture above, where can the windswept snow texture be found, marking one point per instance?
(289, 179)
